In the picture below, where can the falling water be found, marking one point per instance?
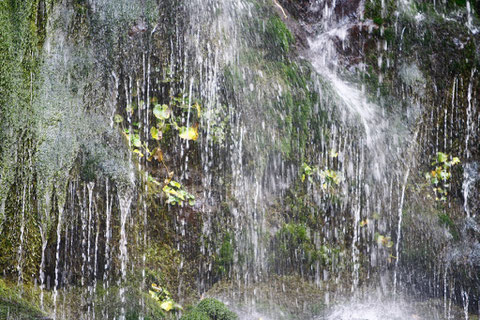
(22, 233)
(125, 201)
(255, 136)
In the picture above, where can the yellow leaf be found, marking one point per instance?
(157, 135)
(167, 305)
(138, 152)
(190, 133)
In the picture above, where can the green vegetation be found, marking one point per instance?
(17, 304)
(439, 177)
(326, 178)
(210, 309)
(167, 118)
(195, 315)
(225, 256)
(164, 299)
(279, 34)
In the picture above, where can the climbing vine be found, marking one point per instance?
(165, 121)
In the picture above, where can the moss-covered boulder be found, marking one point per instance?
(210, 309)
(195, 315)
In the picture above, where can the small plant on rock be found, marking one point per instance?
(163, 297)
(439, 177)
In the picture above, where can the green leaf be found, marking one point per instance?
(167, 305)
(441, 157)
(455, 160)
(154, 132)
(190, 133)
(175, 184)
(161, 112)
(136, 142)
(172, 200)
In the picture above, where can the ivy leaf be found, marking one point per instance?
(175, 184)
(172, 200)
(136, 142)
(189, 133)
(455, 160)
(167, 305)
(161, 112)
(441, 157)
(155, 133)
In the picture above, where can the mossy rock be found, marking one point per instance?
(279, 35)
(216, 310)
(195, 315)
(13, 306)
(210, 309)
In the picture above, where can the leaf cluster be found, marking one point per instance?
(164, 298)
(441, 173)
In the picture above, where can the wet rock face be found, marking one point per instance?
(464, 261)
(347, 8)
(312, 11)
(298, 8)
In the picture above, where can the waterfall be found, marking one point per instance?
(281, 156)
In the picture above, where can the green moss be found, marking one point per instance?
(195, 315)
(296, 233)
(17, 307)
(23, 28)
(216, 310)
(210, 309)
(448, 222)
(380, 14)
(225, 258)
(278, 34)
